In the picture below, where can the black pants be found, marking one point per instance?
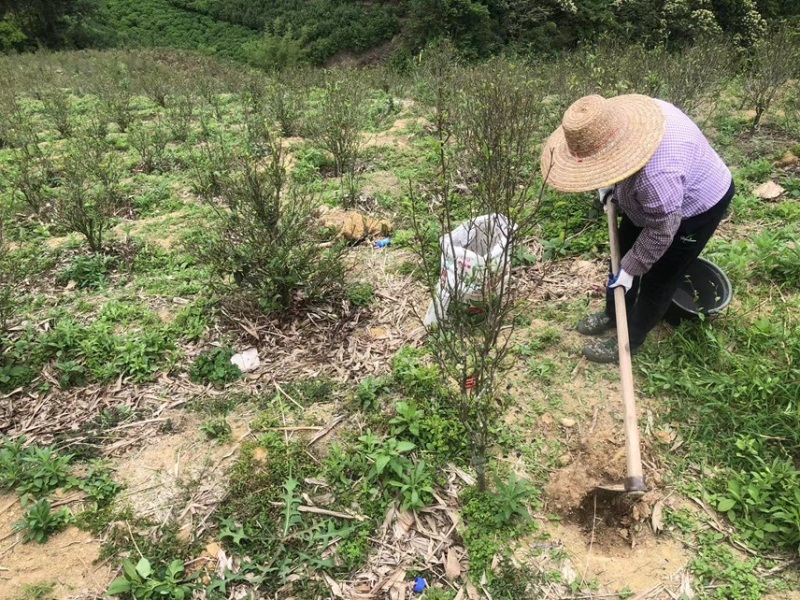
(651, 294)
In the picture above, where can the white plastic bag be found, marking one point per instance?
(468, 252)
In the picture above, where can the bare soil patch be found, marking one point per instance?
(179, 475)
(651, 563)
(67, 560)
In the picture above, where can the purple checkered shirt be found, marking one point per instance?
(685, 177)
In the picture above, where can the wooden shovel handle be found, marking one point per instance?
(635, 480)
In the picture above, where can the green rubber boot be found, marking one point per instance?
(595, 324)
(602, 352)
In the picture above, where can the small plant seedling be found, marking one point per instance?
(217, 429)
(407, 421)
(96, 483)
(361, 294)
(38, 591)
(40, 522)
(513, 497)
(368, 393)
(215, 366)
(141, 582)
(387, 454)
(31, 470)
(415, 485)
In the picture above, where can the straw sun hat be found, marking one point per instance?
(601, 141)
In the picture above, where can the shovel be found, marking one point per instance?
(634, 483)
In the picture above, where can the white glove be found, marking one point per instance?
(623, 279)
(605, 194)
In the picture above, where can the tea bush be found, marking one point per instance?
(266, 239)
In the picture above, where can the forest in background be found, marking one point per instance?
(284, 33)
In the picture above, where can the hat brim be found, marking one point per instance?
(641, 130)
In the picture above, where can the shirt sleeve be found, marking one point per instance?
(661, 198)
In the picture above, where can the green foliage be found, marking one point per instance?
(261, 519)
(335, 123)
(9, 275)
(407, 421)
(369, 392)
(39, 591)
(276, 52)
(732, 577)
(51, 24)
(513, 498)
(511, 581)
(88, 272)
(763, 499)
(217, 429)
(731, 384)
(322, 28)
(143, 582)
(287, 100)
(103, 352)
(97, 484)
(361, 294)
(415, 375)
(267, 239)
(40, 522)
(778, 255)
(415, 485)
(150, 142)
(215, 366)
(91, 193)
(31, 470)
(158, 23)
(771, 63)
(311, 391)
(487, 530)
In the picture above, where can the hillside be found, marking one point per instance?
(214, 376)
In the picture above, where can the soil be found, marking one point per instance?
(158, 475)
(616, 566)
(67, 560)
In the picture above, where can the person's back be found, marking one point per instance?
(684, 155)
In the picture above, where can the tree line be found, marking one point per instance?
(285, 32)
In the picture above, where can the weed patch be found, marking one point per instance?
(215, 366)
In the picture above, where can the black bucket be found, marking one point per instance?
(705, 290)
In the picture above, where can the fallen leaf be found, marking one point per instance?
(658, 517)
(663, 436)
(336, 589)
(768, 191)
(452, 566)
(472, 592)
(686, 590)
(568, 574)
